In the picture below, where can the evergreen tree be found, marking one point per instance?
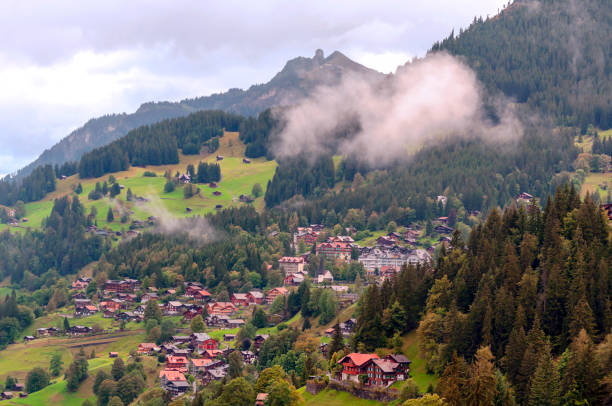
(544, 387)
(110, 217)
(337, 341)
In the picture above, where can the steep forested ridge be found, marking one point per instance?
(528, 287)
(554, 55)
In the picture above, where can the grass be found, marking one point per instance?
(594, 182)
(330, 397)
(237, 178)
(418, 370)
(38, 353)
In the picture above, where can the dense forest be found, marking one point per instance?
(529, 285)
(159, 143)
(31, 188)
(470, 170)
(553, 55)
(62, 247)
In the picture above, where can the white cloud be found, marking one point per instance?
(66, 61)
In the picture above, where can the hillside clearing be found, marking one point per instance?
(238, 178)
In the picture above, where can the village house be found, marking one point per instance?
(274, 293)
(128, 316)
(81, 303)
(259, 340)
(88, 310)
(173, 307)
(229, 337)
(197, 366)
(173, 382)
(235, 323)
(335, 250)
(201, 296)
(255, 297)
(149, 296)
(217, 320)
(215, 374)
(383, 372)
(442, 229)
(307, 235)
(294, 279)
(47, 331)
(326, 278)
(524, 198)
(178, 363)
(248, 357)
(240, 299)
(203, 341)
(212, 354)
(123, 286)
(79, 330)
(81, 283)
(402, 361)
(190, 314)
(221, 308)
(348, 326)
(147, 348)
(291, 265)
(184, 178)
(355, 364)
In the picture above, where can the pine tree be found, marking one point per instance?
(337, 342)
(110, 217)
(481, 382)
(544, 386)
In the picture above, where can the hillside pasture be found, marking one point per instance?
(237, 178)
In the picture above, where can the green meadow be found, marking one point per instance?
(237, 178)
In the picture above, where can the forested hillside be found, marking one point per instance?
(527, 287)
(554, 55)
(158, 144)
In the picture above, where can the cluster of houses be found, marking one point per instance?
(371, 370)
(124, 301)
(198, 355)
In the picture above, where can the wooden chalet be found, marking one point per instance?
(274, 293)
(240, 299)
(355, 364)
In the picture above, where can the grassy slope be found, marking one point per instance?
(418, 372)
(329, 397)
(237, 178)
(38, 353)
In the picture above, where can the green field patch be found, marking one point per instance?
(238, 179)
(418, 370)
(330, 397)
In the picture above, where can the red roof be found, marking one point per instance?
(172, 375)
(200, 362)
(203, 292)
(176, 360)
(358, 358)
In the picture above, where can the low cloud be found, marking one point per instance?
(196, 228)
(436, 96)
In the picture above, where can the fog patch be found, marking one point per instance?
(438, 96)
(195, 228)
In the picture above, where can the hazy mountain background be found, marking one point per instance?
(295, 81)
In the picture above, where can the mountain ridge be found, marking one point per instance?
(296, 80)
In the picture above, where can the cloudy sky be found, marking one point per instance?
(65, 61)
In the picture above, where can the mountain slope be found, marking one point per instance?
(297, 79)
(554, 55)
